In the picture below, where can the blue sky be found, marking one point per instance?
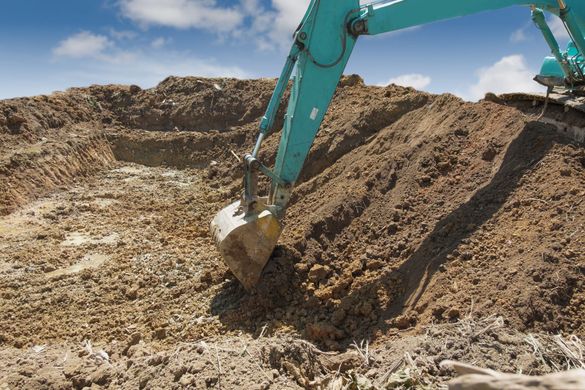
(52, 45)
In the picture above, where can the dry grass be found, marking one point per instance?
(557, 352)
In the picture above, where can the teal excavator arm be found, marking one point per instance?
(247, 231)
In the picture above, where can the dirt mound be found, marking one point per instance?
(413, 209)
(191, 104)
(450, 207)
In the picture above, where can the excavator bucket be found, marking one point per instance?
(245, 241)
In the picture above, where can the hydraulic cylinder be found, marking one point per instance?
(540, 21)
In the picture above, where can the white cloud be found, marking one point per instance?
(159, 42)
(148, 70)
(414, 80)
(518, 36)
(509, 74)
(202, 14)
(111, 64)
(270, 27)
(558, 28)
(122, 34)
(288, 16)
(82, 45)
(250, 6)
(86, 44)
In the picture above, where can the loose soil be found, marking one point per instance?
(423, 228)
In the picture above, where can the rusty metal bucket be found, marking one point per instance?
(245, 241)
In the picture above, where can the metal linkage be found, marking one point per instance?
(540, 21)
(251, 165)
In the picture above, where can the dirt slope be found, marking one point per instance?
(413, 210)
(447, 208)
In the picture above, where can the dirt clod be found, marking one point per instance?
(318, 272)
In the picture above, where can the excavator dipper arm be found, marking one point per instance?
(382, 17)
(247, 231)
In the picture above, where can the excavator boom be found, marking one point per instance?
(247, 231)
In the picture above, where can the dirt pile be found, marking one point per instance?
(448, 208)
(413, 209)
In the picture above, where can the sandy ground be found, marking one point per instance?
(424, 228)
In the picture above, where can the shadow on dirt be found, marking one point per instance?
(280, 297)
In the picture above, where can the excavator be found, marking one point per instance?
(247, 231)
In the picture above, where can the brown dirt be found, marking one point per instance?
(413, 209)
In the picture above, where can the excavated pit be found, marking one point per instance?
(413, 210)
